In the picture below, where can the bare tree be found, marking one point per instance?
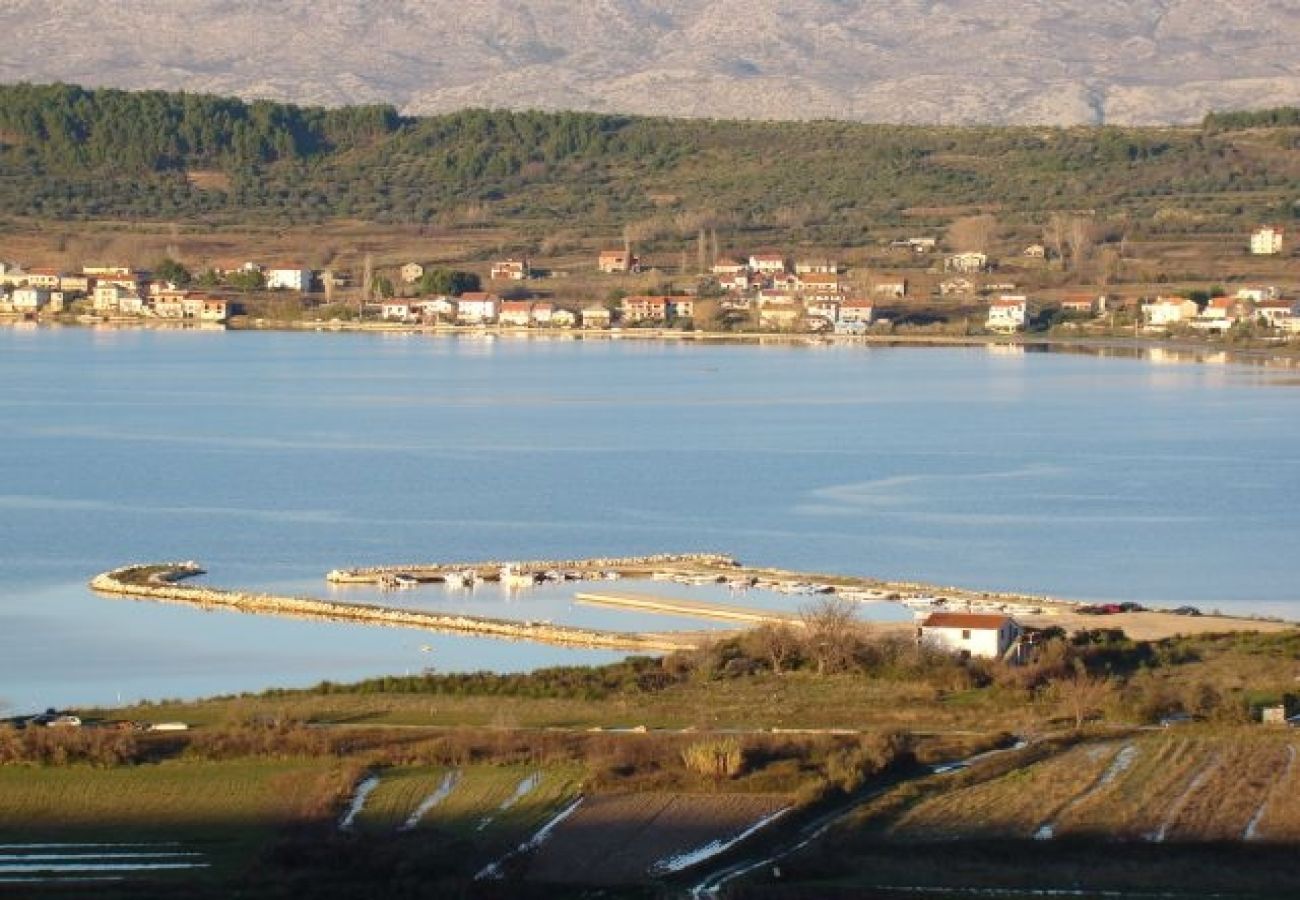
(972, 234)
(1083, 696)
(832, 628)
(779, 643)
(1082, 238)
(1054, 234)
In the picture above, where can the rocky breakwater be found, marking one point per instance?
(489, 569)
(161, 582)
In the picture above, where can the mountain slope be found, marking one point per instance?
(936, 61)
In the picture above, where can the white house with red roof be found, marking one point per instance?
(1008, 313)
(986, 635)
(767, 263)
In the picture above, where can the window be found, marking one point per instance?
(965, 634)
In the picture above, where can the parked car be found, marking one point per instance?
(1174, 719)
(1186, 611)
(63, 721)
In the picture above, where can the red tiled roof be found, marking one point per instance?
(979, 621)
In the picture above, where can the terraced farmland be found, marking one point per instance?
(1176, 787)
(623, 839)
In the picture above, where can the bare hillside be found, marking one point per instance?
(935, 61)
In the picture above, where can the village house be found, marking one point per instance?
(681, 308)
(216, 309)
(966, 263)
(544, 313)
(74, 284)
(1256, 294)
(411, 272)
(773, 295)
(917, 244)
(110, 296)
(1221, 313)
(646, 309)
(169, 305)
(956, 287)
(288, 277)
(896, 289)
(768, 263)
(397, 310)
(823, 309)
(477, 308)
(857, 311)
(1007, 314)
(29, 299)
(596, 317)
(736, 302)
(516, 312)
(1276, 313)
(779, 315)
(737, 281)
(816, 267)
(560, 318)
(729, 266)
(1165, 311)
(437, 308)
(1083, 304)
(617, 262)
(819, 283)
(511, 270)
(989, 636)
(116, 275)
(1266, 241)
(49, 279)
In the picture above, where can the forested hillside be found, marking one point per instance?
(70, 153)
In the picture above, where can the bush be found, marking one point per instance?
(719, 758)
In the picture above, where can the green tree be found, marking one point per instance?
(171, 270)
(448, 281)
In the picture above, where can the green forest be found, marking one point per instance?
(69, 153)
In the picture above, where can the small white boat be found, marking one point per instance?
(512, 579)
(458, 579)
(403, 580)
(425, 648)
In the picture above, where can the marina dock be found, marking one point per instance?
(677, 606)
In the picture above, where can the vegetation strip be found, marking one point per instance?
(158, 582)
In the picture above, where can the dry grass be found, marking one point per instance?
(1013, 805)
(400, 791)
(1281, 818)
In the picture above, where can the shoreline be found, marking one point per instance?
(1136, 347)
(161, 582)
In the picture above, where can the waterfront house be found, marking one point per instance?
(516, 312)
(1083, 304)
(288, 277)
(970, 634)
(857, 311)
(617, 262)
(1007, 314)
(544, 313)
(1165, 311)
(560, 317)
(411, 272)
(168, 305)
(29, 299)
(681, 308)
(397, 310)
(477, 308)
(437, 308)
(768, 263)
(646, 309)
(823, 309)
(1221, 313)
(49, 279)
(114, 275)
(1266, 241)
(111, 296)
(596, 317)
(215, 309)
(781, 315)
(1276, 313)
(511, 270)
(966, 263)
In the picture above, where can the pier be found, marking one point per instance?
(677, 606)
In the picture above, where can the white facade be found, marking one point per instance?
(1266, 241)
(857, 311)
(767, 263)
(970, 634)
(288, 279)
(1007, 314)
(967, 263)
(476, 309)
(1166, 311)
(29, 299)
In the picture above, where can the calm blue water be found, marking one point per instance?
(274, 457)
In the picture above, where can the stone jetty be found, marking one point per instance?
(162, 582)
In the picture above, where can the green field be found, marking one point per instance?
(227, 810)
